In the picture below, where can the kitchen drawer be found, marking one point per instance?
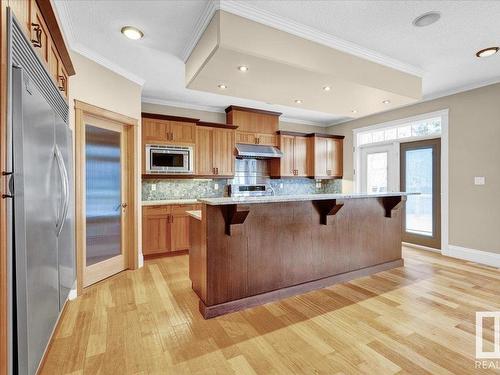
(179, 209)
(156, 210)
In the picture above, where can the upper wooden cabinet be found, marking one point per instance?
(214, 150)
(256, 138)
(163, 129)
(296, 159)
(327, 151)
(41, 28)
(255, 126)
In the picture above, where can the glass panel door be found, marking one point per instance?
(105, 199)
(420, 173)
(377, 171)
(103, 194)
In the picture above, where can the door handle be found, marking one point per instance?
(38, 32)
(63, 173)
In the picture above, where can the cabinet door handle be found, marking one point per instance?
(216, 170)
(38, 33)
(62, 86)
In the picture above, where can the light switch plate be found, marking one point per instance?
(281, 185)
(153, 187)
(216, 186)
(479, 180)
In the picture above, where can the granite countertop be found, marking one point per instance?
(295, 198)
(196, 214)
(169, 201)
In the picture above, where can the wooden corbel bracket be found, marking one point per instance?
(327, 208)
(234, 214)
(392, 204)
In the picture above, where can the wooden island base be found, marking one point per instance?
(247, 255)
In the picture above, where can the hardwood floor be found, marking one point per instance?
(418, 319)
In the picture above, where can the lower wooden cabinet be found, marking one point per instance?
(165, 228)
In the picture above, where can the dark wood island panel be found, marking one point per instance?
(284, 248)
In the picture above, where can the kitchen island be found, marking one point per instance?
(247, 251)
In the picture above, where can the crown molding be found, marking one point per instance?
(217, 109)
(101, 60)
(184, 105)
(72, 40)
(199, 27)
(240, 8)
(303, 122)
(440, 95)
(458, 90)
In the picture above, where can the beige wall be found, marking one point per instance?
(474, 150)
(99, 86)
(221, 117)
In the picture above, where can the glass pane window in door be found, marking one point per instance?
(376, 172)
(419, 218)
(103, 194)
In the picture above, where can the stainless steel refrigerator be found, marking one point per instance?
(41, 215)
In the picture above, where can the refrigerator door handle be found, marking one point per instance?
(65, 187)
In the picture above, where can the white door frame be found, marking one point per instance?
(358, 151)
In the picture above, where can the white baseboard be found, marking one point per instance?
(473, 255)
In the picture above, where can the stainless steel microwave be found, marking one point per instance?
(165, 159)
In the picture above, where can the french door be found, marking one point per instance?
(105, 178)
(420, 164)
(378, 169)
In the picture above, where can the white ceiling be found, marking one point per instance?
(443, 53)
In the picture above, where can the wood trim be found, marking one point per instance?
(166, 254)
(216, 125)
(90, 109)
(183, 176)
(322, 135)
(55, 32)
(4, 360)
(157, 116)
(293, 134)
(252, 110)
(260, 299)
(131, 132)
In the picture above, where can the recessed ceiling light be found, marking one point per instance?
(386, 101)
(487, 52)
(426, 19)
(327, 88)
(354, 111)
(298, 101)
(243, 68)
(132, 32)
(222, 86)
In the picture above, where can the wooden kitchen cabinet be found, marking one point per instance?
(40, 25)
(256, 138)
(327, 156)
(214, 151)
(156, 230)
(165, 228)
(163, 129)
(296, 157)
(223, 152)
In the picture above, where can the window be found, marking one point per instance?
(420, 128)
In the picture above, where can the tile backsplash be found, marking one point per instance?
(204, 188)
